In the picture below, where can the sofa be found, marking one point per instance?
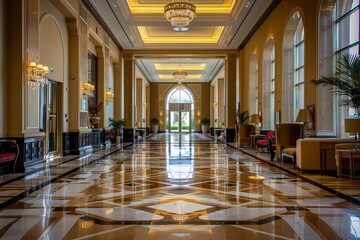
(309, 152)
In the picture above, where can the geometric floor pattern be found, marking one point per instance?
(180, 186)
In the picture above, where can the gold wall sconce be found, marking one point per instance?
(87, 89)
(215, 104)
(109, 96)
(36, 73)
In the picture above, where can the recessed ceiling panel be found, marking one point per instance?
(202, 6)
(166, 35)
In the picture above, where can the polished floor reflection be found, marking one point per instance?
(180, 186)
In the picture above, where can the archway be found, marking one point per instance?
(180, 110)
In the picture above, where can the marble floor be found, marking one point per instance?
(172, 186)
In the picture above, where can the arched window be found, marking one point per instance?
(338, 34)
(253, 96)
(180, 110)
(268, 85)
(293, 60)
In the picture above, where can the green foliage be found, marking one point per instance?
(117, 124)
(154, 121)
(242, 117)
(205, 121)
(346, 81)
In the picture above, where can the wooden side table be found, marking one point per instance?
(349, 155)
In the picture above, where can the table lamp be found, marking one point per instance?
(353, 125)
(255, 118)
(304, 116)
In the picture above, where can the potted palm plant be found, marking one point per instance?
(205, 122)
(242, 117)
(154, 125)
(346, 81)
(118, 125)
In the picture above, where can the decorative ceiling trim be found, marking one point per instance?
(262, 19)
(137, 8)
(101, 22)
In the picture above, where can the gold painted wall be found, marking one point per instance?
(274, 27)
(3, 91)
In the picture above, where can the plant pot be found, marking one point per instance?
(204, 128)
(154, 129)
(94, 121)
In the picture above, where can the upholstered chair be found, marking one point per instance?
(244, 134)
(286, 136)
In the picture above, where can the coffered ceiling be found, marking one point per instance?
(218, 25)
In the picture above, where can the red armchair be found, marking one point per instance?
(263, 143)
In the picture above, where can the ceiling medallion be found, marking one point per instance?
(180, 13)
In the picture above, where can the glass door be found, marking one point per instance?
(185, 121)
(49, 123)
(174, 125)
(52, 127)
(180, 121)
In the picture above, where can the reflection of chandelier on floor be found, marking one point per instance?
(180, 13)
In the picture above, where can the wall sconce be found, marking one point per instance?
(198, 113)
(109, 96)
(160, 113)
(87, 89)
(215, 104)
(36, 73)
(145, 104)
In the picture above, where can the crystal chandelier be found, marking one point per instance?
(180, 13)
(180, 75)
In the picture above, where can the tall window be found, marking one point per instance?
(338, 34)
(268, 85)
(272, 99)
(109, 102)
(293, 68)
(299, 68)
(253, 97)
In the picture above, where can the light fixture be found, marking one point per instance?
(109, 96)
(255, 118)
(305, 116)
(180, 75)
(352, 125)
(180, 13)
(36, 73)
(87, 89)
(215, 104)
(180, 86)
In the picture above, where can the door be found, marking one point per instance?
(49, 122)
(180, 121)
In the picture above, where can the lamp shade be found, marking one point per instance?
(255, 118)
(304, 115)
(352, 125)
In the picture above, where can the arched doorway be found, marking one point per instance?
(180, 111)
